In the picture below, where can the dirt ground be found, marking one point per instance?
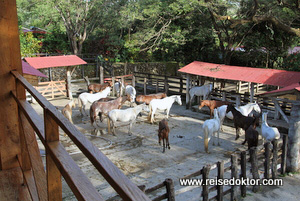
(139, 155)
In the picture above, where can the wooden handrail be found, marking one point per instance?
(123, 186)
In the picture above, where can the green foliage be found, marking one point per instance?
(292, 62)
(29, 44)
(55, 42)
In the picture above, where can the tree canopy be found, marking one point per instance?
(245, 32)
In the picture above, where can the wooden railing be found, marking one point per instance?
(272, 160)
(59, 162)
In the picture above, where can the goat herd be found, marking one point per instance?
(243, 116)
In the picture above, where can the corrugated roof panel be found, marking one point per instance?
(257, 75)
(54, 61)
(27, 69)
(295, 86)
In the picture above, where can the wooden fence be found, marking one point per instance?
(176, 85)
(270, 159)
(52, 88)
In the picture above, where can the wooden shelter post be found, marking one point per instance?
(10, 60)
(187, 97)
(252, 92)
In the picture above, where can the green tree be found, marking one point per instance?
(29, 44)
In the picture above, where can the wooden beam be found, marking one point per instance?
(10, 60)
(278, 108)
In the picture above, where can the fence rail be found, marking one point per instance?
(269, 159)
(58, 161)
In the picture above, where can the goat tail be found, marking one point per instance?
(206, 139)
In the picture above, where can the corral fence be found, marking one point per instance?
(176, 85)
(266, 162)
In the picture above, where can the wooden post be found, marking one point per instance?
(187, 97)
(170, 189)
(133, 80)
(181, 86)
(145, 86)
(249, 86)
(220, 166)
(223, 96)
(156, 86)
(274, 160)
(239, 86)
(238, 100)
(284, 154)
(166, 85)
(113, 80)
(69, 69)
(254, 166)
(234, 174)
(10, 60)
(53, 174)
(125, 68)
(252, 92)
(101, 76)
(267, 160)
(243, 173)
(205, 174)
(121, 88)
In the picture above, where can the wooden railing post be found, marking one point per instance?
(145, 86)
(243, 173)
(267, 160)
(274, 160)
(205, 174)
(113, 80)
(121, 88)
(181, 86)
(220, 176)
(170, 189)
(156, 86)
(166, 85)
(284, 153)
(133, 80)
(234, 174)
(254, 166)
(53, 174)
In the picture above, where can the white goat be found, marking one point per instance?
(267, 132)
(210, 127)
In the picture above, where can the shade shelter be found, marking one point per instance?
(280, 78)
(31, 74)
(70, 61)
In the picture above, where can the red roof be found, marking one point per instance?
(289, 89)
(54, 61)
(257, 75)
(27, 69)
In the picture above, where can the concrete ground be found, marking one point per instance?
(289, 191)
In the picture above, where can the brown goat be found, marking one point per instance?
(163, 134)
